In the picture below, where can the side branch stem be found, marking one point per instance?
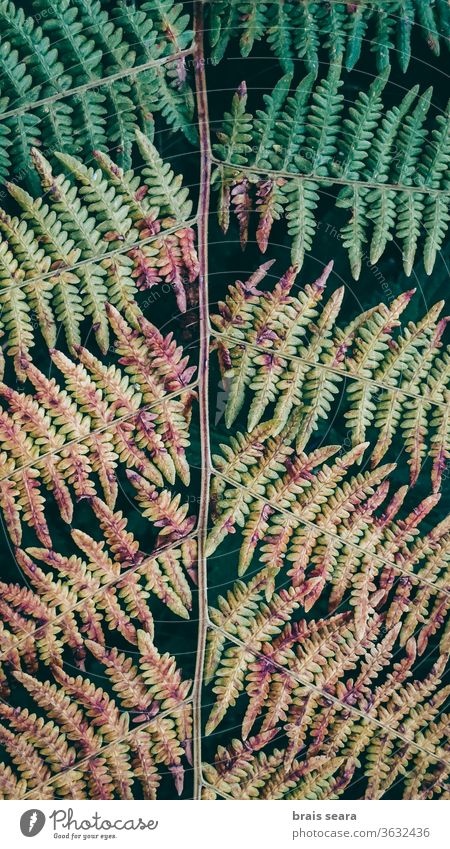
(325, 180)
(95, 84)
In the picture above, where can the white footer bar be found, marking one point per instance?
(227, 824)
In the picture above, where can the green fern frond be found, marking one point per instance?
(298, 30)
(389, 167)
(79, 47)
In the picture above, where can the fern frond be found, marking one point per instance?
(288, 355)
(72, 46)
(299, 31)
(388, 165)
(55, 240)
(91, 421)
(314, 643)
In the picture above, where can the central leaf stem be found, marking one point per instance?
(203, 219)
